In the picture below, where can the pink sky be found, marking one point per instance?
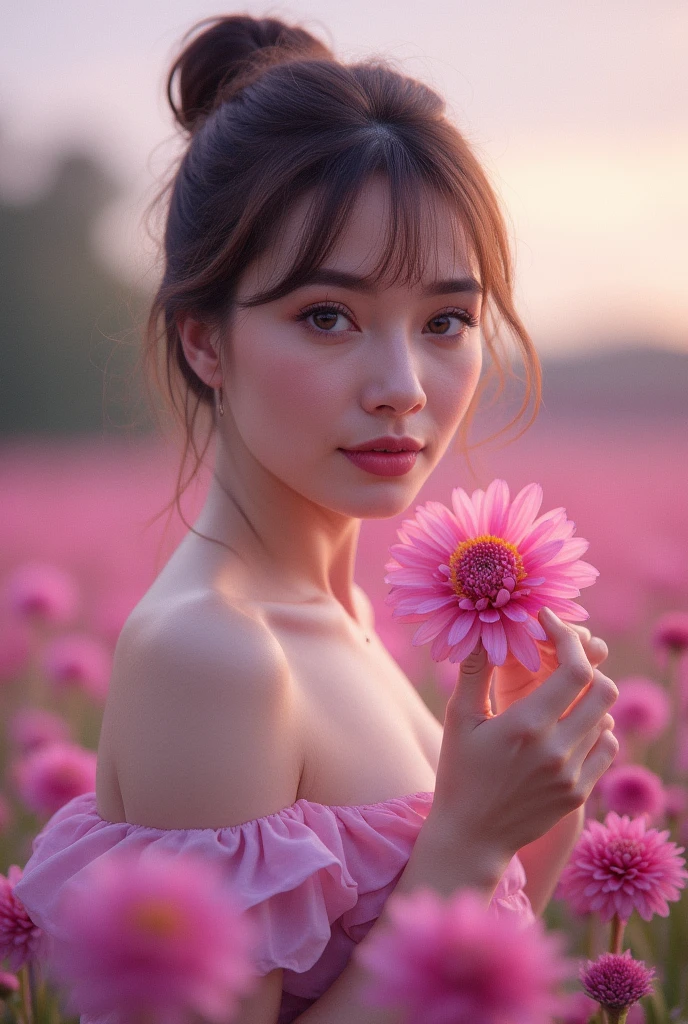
(577, 110)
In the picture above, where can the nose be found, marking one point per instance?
(392, 382)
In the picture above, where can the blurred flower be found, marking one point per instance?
(616, 980)
(633, 789)
(50, 776)
(620, 866)
(6, 814)
(484, 571)
(162, 936)
(676, 797)
(9, 984)
(642, 708)
(31, 728)
(79, 661)
(15, 648)
(20, 938)
(40, 591)
(456, 961)
(670, 633)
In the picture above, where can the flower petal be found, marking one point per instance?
(464, 512)
(430, 629)
(524, 508)
(494, 640)
(496, 508)
(465, 646)
(521, 645)
(460, 627)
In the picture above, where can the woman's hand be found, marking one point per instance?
(512, 680)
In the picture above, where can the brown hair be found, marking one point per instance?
(272, 114)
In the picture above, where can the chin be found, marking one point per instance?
(379, 503)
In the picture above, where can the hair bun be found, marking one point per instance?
(225, 53)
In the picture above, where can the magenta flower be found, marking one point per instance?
(633, 789)
(42, 592)
(9, 984)
(455, 962)
(31, 728)
(159, 935)
(642, 708)
(53, 774)
(78, 661)
(620, 866)
(20, 939)
(670, 634)
(616, 980)
(483, 571)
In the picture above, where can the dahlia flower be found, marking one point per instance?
(616, 980)
(51, 775)
(670, 633)
(159, 935)
(621, 866)
(642, 708)
(78, 661)
(455, 962)
(20, 939)
(484, 570)
(43, 592)
(633, 789)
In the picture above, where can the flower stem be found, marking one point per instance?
(616, 1016)
(25, 992)
(616, 934)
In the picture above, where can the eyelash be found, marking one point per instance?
(337, 307)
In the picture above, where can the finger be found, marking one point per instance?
(471, 697)
(558, 691)
(587, 712)
(598, 759)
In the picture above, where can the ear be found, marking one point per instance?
(200, 345)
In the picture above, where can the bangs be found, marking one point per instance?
(412, 211)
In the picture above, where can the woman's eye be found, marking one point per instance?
(440, 324)
(324, 319)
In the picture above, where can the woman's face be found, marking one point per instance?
(330, 366)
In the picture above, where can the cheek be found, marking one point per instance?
(450, 389)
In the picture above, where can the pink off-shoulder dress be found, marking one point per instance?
(317, 875)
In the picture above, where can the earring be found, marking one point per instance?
(222, 408)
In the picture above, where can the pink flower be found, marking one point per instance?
(455, 962)
(670, 634)
(676, 800)
(483, 571)
(15, 648)
(642, 708)
(53, 775)
(9, 984)
(20, 938)
(620, 866)
(31, 728)
(616, 980)
(44, 592)
(633, 789)
(160, 935)
(78, 661)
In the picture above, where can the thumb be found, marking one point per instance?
(472, 693)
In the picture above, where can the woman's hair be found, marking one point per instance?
(273, 115)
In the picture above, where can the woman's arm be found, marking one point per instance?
(544, 859)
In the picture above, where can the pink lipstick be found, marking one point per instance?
(385, 456)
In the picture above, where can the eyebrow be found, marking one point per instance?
(343, 279)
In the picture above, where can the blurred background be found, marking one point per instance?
(578, 112)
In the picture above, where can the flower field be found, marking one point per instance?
(77, 551)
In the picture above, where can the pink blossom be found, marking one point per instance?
(50, 776)
(670, 633)
(20, 938)
(633, 789)
(31, 728)
(6, 814)
(616, 980)
(78, 661)
(160, 935)
(455, 962)
(43, 592)
(9, 984)
(15, 648)
(676, 800)
(483, 571)
(621, 866)
(642, 708)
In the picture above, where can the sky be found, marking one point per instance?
(578, 110)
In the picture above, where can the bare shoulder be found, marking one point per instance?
(366, 607)
(201, 716)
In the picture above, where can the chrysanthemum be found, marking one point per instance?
(484, 571)
(20, 939)
(633, 789)
(38, 591)
(642, 708)
(78, 661)
(53, 774)
(159, 935)
(455, 962)
(621, 866)
(616, 980)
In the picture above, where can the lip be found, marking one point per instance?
(392, 444)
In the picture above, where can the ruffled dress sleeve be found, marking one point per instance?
(314, 877)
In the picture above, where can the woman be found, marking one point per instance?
(333, 251)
